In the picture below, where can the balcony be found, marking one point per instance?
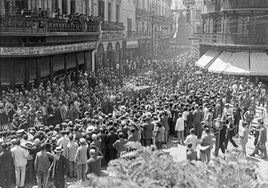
(142, 12)
(39, 25)
(209, 7)
(112, 26)
(244, 4)
(232, 39)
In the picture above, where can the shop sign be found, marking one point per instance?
(46, 50)
(132, 44)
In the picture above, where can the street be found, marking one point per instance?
(178, 151)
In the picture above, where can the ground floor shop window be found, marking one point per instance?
(81, 61)
(58, 64)
(5, 72)
(44, 67)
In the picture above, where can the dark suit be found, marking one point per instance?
(111, 151)
(61, 169)
(6, 163)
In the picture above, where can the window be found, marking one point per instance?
(72, 6)
(197, 14)
(117, 13)
(101, 9)
(109, 12)
(129, 27)
(64, 6)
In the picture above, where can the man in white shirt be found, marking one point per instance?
(64, 141)
(191, 139)
(20, 156)
(180, 128)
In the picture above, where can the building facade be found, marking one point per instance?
(234, 36)
(111, 45)
(40, 39)
(153, 25)
(187, 22)
(129, 20)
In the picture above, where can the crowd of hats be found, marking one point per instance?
(94, 108)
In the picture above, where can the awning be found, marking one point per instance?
(238, 64)
(221, 63)
(207, 58)
(259, 63)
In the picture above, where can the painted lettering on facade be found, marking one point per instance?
(46, 50)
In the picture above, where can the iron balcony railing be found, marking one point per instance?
(43, 25)
(231, 39)
(112, 26)
(243, 4)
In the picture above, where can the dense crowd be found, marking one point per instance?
(72, 127)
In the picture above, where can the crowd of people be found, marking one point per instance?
(72, 128)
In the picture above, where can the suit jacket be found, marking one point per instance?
(111, 138)
(6, 161)
(206, 140)
(148, 129)
(60, 168)
(262, 135)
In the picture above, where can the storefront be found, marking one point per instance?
(33, 65)
(109, 55)
(145, 46)
(132, 49)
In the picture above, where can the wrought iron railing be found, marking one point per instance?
(112, 26)
(39, 25)
(232, 39)
(241, 4)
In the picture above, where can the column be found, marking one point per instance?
(86, 7)
(30, 5)
(37, 73)
(60, 5)
(43, 4)
(88, 61)
(27, 76)
(0, 78)
(76, 68)
(49, 7)
(12, 74)
(65, 64)
(65, 71)
(68, 7)
(51, 70)
(93, 60)
(2, 8)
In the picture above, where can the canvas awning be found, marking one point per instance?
(238, 64)
(259, 63)
(221, 62)
(207, 58)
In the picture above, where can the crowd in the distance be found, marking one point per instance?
(73, 127)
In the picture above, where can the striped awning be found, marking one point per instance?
(207, 58)
(238, 64)
(221, 62)
(259, 63)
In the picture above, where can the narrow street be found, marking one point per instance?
(178, 151)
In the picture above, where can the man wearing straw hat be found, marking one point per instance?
(59, 168)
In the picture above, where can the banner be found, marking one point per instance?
(46, 50)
